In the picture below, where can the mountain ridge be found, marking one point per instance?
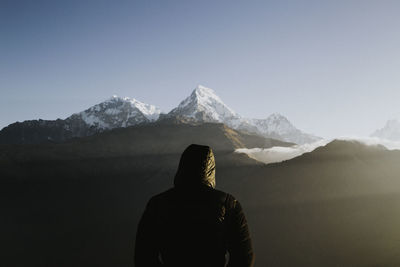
(93, 191)
(202, 105)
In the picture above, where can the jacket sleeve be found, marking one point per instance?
(239, 242)
(146, 245)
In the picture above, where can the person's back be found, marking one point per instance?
(193, 224)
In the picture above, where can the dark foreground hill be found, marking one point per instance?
(78, 203)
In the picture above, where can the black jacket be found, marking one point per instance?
(193, 224)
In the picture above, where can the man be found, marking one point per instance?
(193, 224)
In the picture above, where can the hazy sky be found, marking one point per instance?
(331, 67)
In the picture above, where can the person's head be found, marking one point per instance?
(196, 167)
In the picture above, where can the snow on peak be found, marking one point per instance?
(118, 112)
(274, 123)
(207, 98)
(278, 126)
(279, 123)
(391, 131)
(204, 103)
(202, 91)
(392, 123)
(277, 116)
(151, 112)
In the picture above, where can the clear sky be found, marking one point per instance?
(331, 67)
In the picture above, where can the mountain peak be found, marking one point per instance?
(204, 94)
(203, 88)
(392, 123)
(118, 112)
(275, 124)
(391, 131)
(200, 89)
(348, 147)
(151, 112)
(204, 105)
(277, 116)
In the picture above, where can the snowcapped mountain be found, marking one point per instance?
(115, 112)
(275, 123)
(118, 112)
(278, 126)
(204, 105)
(391, 131)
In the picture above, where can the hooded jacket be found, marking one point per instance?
(193, 224)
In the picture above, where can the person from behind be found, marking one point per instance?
(193, 224)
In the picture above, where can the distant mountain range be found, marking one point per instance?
(391, 131)
(203, 105)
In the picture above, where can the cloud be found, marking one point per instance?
(279, 154)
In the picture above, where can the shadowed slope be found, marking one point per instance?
(78, 203)
(335, 206)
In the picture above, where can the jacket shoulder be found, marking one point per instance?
(229, 200)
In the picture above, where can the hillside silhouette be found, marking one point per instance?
(78, 203)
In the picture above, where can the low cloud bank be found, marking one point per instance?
(279, 154)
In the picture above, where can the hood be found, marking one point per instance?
(196, 167)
